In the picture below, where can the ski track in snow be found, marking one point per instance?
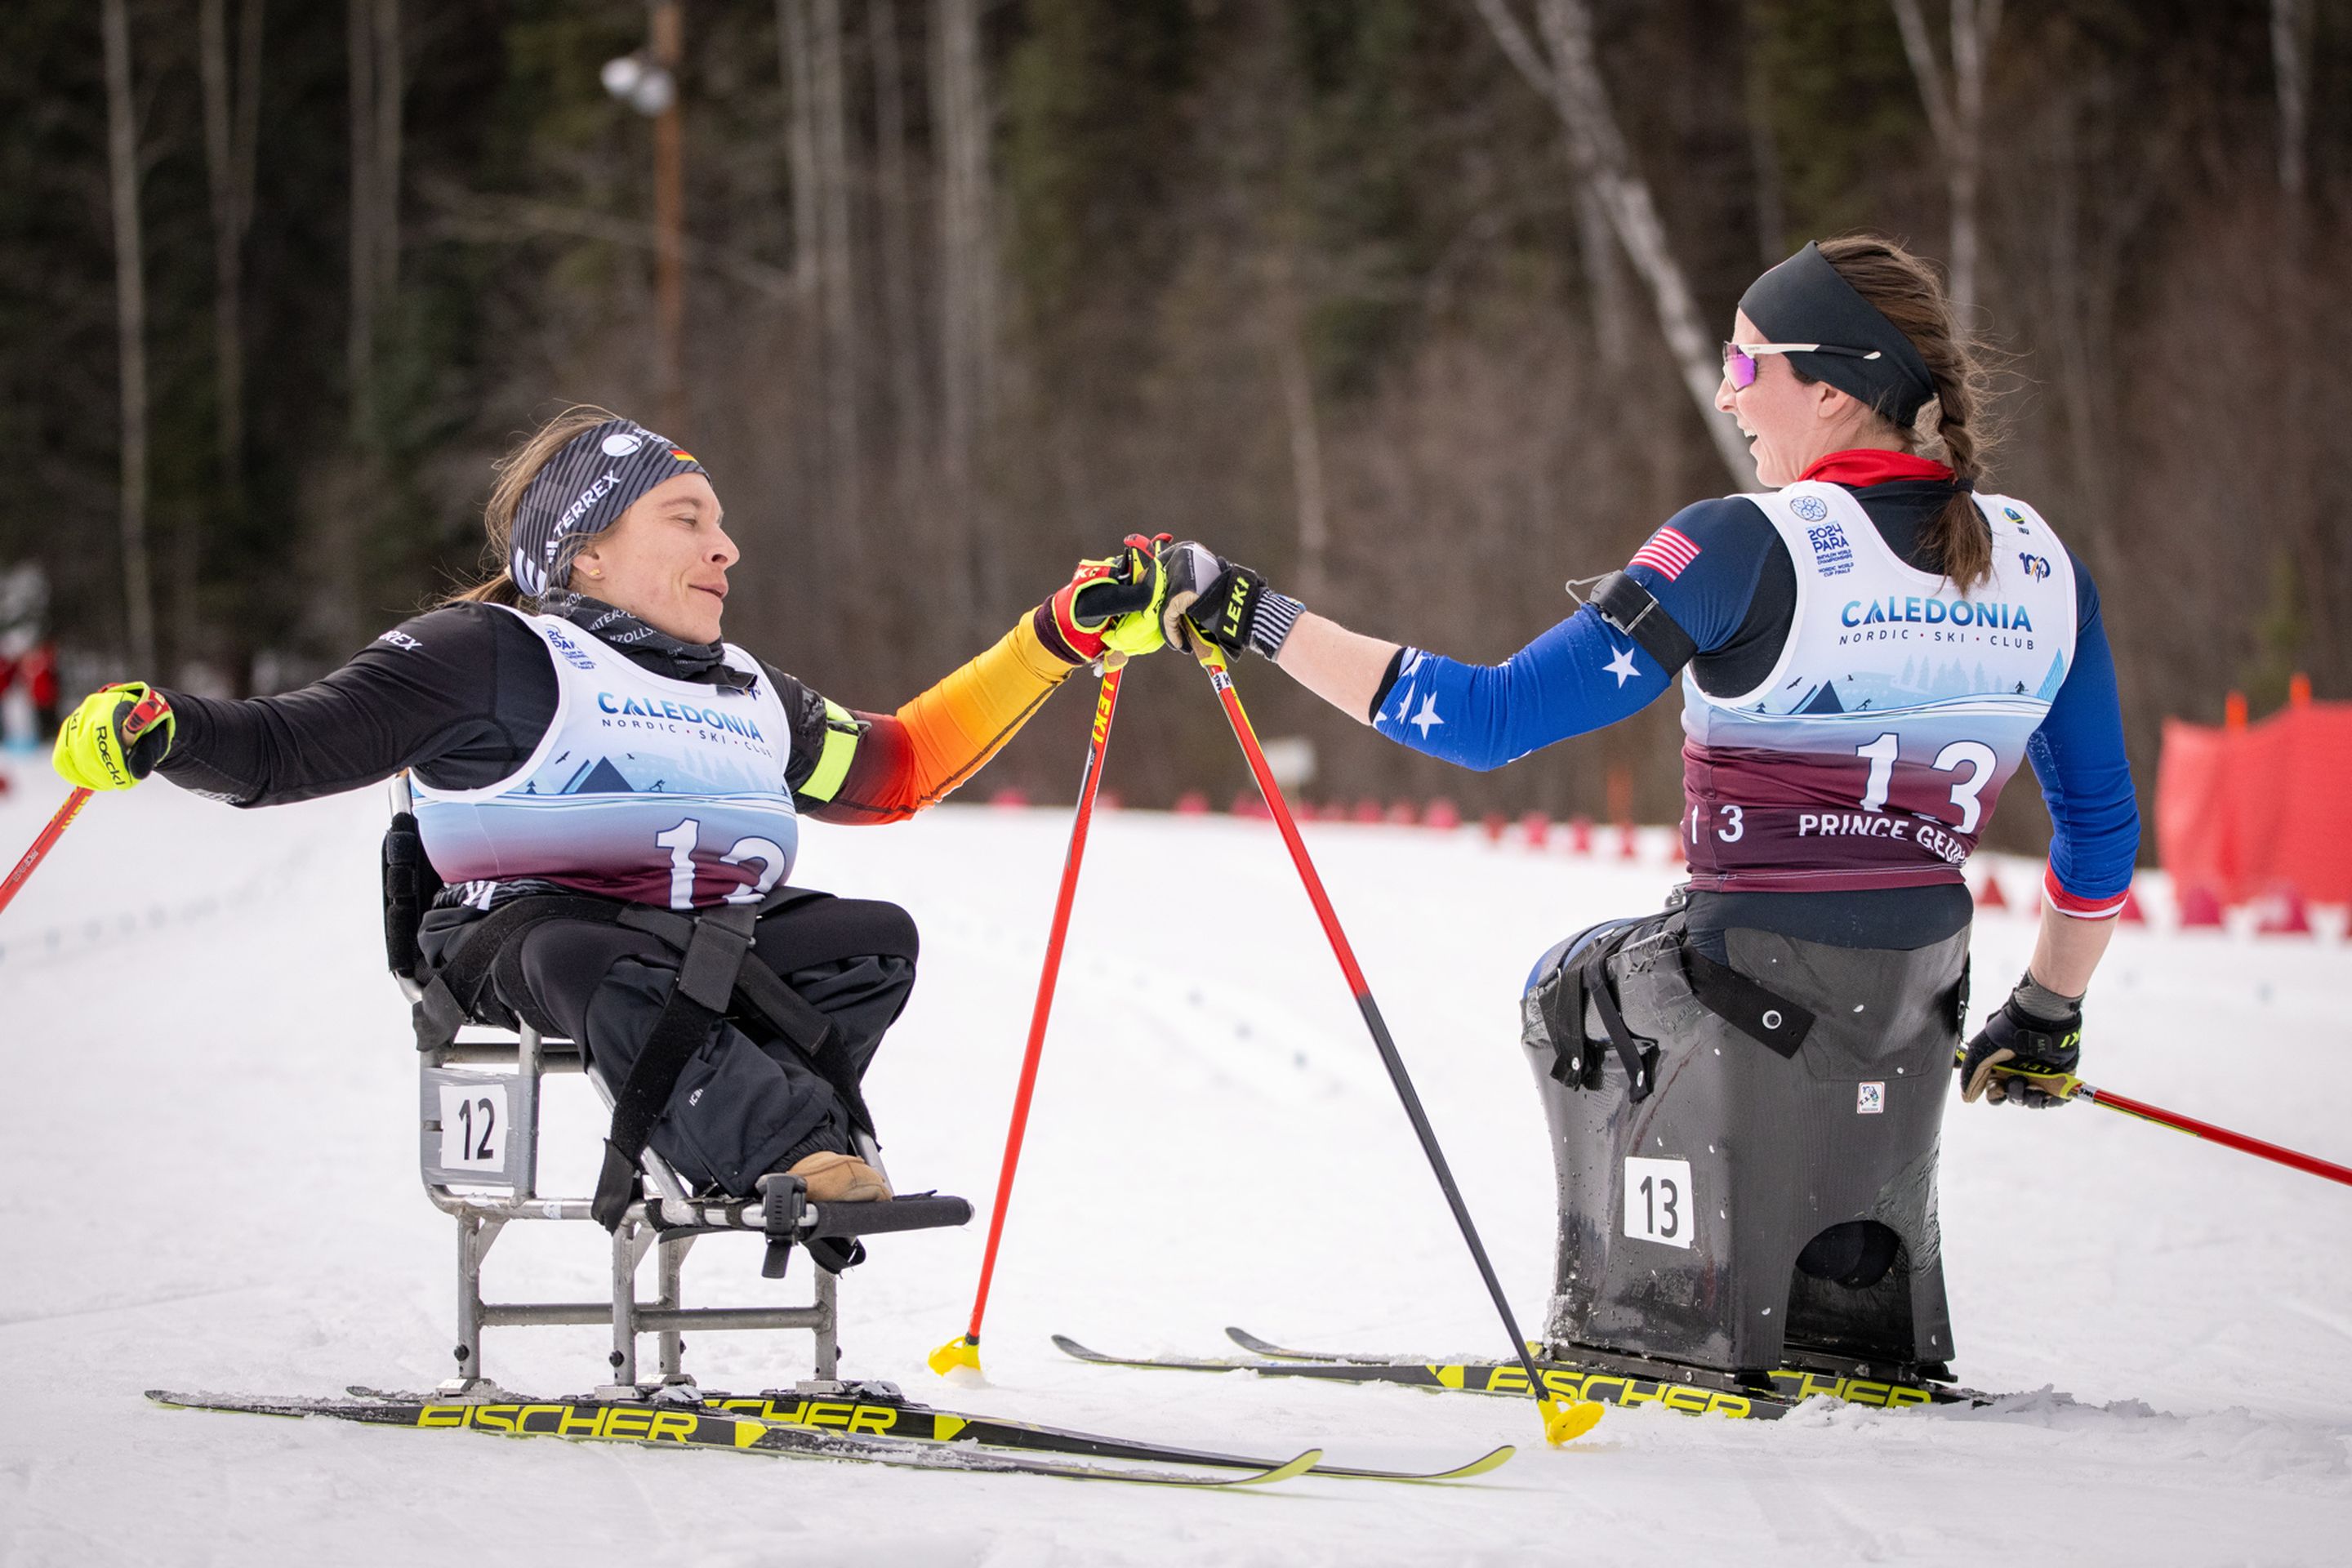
(1212, 1142)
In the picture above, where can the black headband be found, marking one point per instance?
(1806, 300)
(584, 490)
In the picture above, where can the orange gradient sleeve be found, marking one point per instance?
(919, 755)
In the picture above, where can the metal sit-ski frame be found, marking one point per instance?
(478, 1112)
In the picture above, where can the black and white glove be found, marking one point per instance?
(1212, 601)
(2032, 1051)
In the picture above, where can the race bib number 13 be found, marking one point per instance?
(1658, 1202)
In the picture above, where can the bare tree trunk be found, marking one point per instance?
(1296, 380)
(230, 125)
(900, 313)
(359, 342)
(800, 88)
(2290, 59)
(390, 86)
(1764, 148)
(968, 279)
(835, 286)
(669, 219)
(1956, 117)
(131, 326)
(1571, 78)
(1596, 243)
(231, 111)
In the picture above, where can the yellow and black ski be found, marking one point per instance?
(659, 1424)
(1610, 1379)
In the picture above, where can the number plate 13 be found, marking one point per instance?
(1659, 1204)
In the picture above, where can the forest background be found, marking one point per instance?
(1407, 302)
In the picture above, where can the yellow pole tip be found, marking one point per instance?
(956, 1355)
(1567, 1423)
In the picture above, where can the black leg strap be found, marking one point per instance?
(1768, 1018)
(697, 1002)
(1639, 1059)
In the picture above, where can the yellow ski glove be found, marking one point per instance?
(114, 738)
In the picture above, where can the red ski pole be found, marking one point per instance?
(41, 846)
(134, 724)
(1561, 1422)
(2067, 1086)
(965, 1352)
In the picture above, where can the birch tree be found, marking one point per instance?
(800, 142)
(966, 285)
(2291, 60)
(131, 330)
(900, 316)
(834, 267)
(1558, 60)
(232, 99)
(1956, 115)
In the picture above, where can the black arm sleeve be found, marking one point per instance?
(462, 695)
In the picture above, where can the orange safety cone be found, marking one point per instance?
(2131, 914)
(1580, 835)
(1403, 814)
(1192, 802)
(1247, 804)
(1440, 814)
(1536, 827)
(1367, 812)
(1494, 823)
(1989, 896)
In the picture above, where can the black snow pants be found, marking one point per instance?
(747, 1103)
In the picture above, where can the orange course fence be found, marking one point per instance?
(2249, 811)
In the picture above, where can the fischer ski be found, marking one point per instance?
(657, 1424)
(1597, 1376)
(879, 1410)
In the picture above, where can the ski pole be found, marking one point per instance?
(965, 1352)
(49, 837)
(1561, 1422)
(134, 724)
(2067, 1086)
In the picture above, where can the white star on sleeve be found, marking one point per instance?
(1623, 667)
(1427, 717)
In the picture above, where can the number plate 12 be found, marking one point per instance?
(1659, 1204)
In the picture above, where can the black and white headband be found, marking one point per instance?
(581, 492)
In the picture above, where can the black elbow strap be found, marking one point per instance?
(1635, 610)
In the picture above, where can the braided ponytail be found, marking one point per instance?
(1953, 427)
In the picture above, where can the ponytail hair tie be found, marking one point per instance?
(1964, 485)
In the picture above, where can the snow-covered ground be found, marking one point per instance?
(207, 1181)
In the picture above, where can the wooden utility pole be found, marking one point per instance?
(131, 326)
(669, 220)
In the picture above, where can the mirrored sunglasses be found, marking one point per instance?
(1739, 358)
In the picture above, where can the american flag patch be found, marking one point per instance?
(1668, 552)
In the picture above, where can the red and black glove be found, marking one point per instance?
(1108, 605)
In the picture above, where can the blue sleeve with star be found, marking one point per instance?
(1577, 678)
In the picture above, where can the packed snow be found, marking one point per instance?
(209, 1153)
